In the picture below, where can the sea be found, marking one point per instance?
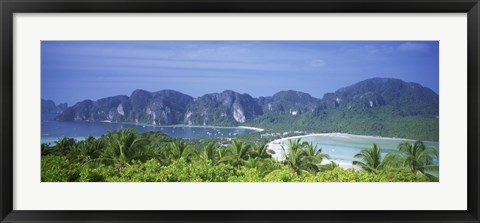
(342, 147)
(53, 130)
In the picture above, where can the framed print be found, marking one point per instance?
(239, 111)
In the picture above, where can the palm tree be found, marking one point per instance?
(46, 149)
(260, 150)
(329, 166)
(295, 155)
(87, 149)
(210, 153)
(252, 162)
(268, 165)
(179, 150)
(313, 157)
(418, 158)
(222, 152)
(64, 145)
(122, 147)
(370, 159)
(237, 153)
(160, 152)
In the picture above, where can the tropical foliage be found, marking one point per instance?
(303, 157)
(371, 159)
(129, 156)
(415, 157)
(419, 158)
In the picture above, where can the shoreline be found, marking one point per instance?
(179, 125)
(276, 145)
(80, 138)
(345, 135)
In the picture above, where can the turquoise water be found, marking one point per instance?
(342, 147)
(53, 130)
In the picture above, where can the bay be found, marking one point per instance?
(52, 130)
(342, 147)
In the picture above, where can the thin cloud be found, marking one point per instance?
(255, 67)
(414, 47)
(317, 63)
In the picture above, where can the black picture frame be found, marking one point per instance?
(9, 7)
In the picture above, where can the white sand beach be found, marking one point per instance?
(252, 128)
(187, 126)
(276, 145)
(213, 126)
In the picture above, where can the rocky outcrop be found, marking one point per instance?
(402, 97)
(228, 107)
(49, 107)
(169, 107)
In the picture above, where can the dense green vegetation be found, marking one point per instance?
(415, 157)
(129, 156)
(378, 121)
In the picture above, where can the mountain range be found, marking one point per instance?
(366, 107)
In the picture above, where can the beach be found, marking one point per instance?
(252, 128)
(276, 145)
(187, 126)
(344, 162)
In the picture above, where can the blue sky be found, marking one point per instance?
(76, 70)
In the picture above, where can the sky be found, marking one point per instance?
(72, 71)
